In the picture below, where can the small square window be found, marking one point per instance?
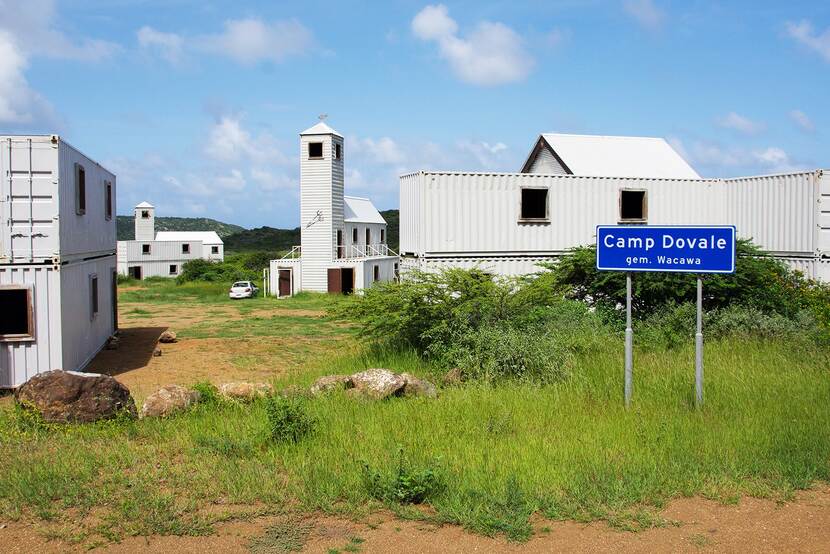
(17, 322)
(145, 248)
(173, 269)
(633, 205)
(80, 189)
(534, 204)
(337, 153)
(185, 249)
(145, 214)
(214, 249)
(315, 150)
(93, 295)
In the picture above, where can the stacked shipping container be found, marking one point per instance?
(57, 257)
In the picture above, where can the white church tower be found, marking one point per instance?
(343, 238)
(321, 202)
(145, 222)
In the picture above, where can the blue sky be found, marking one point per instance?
(196, 104)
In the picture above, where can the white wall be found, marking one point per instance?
(145, 227)
(162, 255)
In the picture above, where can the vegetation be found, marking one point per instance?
(126, 226)
(534, 430)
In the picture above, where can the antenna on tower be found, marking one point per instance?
(322, 116)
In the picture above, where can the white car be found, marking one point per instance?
(243, 289)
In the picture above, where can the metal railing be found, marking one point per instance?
(295, 253)
(350, 251)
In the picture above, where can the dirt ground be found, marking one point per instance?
(753, 525)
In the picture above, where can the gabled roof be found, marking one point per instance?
(145, 205)
(321, 129)
(207, 237)
(360, 210)
(606, 156)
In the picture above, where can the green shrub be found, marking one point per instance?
(288, 418)
(404, 485)
(208, 393)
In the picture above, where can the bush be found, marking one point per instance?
(288, 419)
(208, 393)
(405, 485)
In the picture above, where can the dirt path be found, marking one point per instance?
(702, 526)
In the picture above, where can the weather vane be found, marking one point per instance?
(322, 116)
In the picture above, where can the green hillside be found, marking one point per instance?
(126, 226)
(271, 239)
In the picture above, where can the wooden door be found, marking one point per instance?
(284, 280)
(335, 286)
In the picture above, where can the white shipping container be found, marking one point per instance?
(65, 329)
(56, 204)
(451, 215)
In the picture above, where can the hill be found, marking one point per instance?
(126, 226)
(271, 239)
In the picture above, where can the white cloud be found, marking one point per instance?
(717, 160)
(383, 150)
(487, 155)
(270, 181)
(233, 182)
(19, 104)
(492, 54)
(246, 41)
(803, 33)
(739, 123)
(168, 45)
(803, 121)
(645, 12)
(228, 141)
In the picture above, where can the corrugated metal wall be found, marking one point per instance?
(316, 195)
(84, 335)
(545, 162)
(144, 227)
(162, 255)
(22, 360)
(446, 214)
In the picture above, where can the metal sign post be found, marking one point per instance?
(699, 346)
(629, 342)
(668, 248)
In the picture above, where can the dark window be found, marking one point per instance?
(336, 151)
(534, 203)
(341, 250)
(368, 236)
(633, 205)
(376, 273)
(93, 295)
(315, 150)
(145, 248)
(80, 189)
(185, 249)
(382, 235)
(172, 270)
(145, 214)
(214, 249)
(108, 192)
(16, 322)
(354, 235)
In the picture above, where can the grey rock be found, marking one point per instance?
(377, 383)
(168, 400)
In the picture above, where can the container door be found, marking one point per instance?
(334, 280)
(824, 215)
(30, 177)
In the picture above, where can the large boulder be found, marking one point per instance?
(418, 387)
(245, 391)
(330, 383)
(377, 383)
(168, 337)
(72, 397)
(168, 400)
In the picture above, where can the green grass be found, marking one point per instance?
(501, 453)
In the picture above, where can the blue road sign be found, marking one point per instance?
(677, 248)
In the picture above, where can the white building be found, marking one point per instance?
(343, 238)
(507, 223)
(57, 257)
(163, 253)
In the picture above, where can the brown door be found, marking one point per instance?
(285, 282)
(334, 280)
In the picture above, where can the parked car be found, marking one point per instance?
(243, 289)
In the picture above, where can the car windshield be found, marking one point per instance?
(240, 284)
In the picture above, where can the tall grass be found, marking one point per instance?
(566, 450)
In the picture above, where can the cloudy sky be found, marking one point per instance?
(196, 104)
